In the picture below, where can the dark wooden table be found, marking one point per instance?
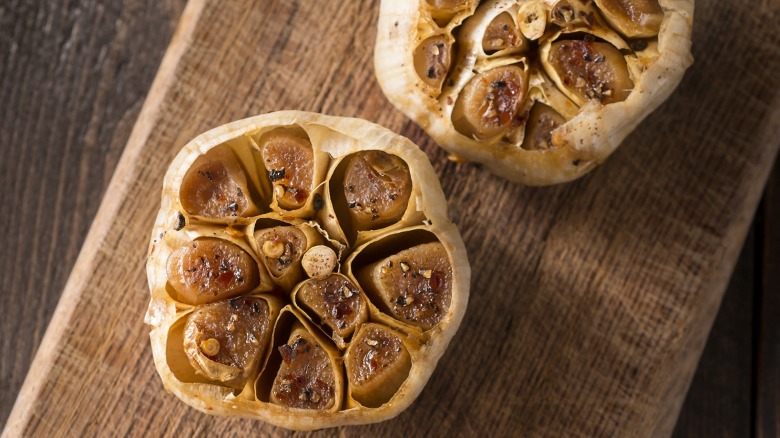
(73, 76)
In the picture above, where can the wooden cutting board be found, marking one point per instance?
(591, 302)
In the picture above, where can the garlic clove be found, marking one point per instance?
(491, 103)
(633, 18)
(377, 363)
(589, 71)
(289, 160)
(215, 186)
(377, 187)
(210, 269)
(306, 379)
(226, 340)
(335, 302)
(413, 286)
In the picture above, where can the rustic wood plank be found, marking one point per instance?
(719, 402)
(73, 76)
(591, 301)
(767, 383)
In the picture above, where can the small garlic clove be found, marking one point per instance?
(282, 248)
(319, 261)
(542, 120)
(501, 34)
(432, 59)
(533, 19)
(574, 13)
(336, 302)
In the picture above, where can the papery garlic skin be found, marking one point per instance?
(590, 133)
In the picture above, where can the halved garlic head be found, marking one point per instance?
(600, 66)
(208, 269)
(226, 340)
(377, 363)
(306, 378)
(277, 313)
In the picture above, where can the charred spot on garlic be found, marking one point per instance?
(582, 59)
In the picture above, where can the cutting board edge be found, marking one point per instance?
(697, 340)
(63, 313)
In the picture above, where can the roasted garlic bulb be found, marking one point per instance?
(303, 271)
(539, 91)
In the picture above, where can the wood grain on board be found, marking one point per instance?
(73, 77)
(591, 302)
(767, 363)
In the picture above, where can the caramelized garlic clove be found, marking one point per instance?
(289, 159)
(633, 18)
(533, 19)
(590, 71)
(490, 103)
(211, 269)
(377, 188)
(501, 34)
(542, 120)
(306, 378)
(432, 60)
(413, 286)
(226, 340)
(336, 302)
(215, 186)
(281, 249)
(377, 363)
(574, 13)
(443, 10)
